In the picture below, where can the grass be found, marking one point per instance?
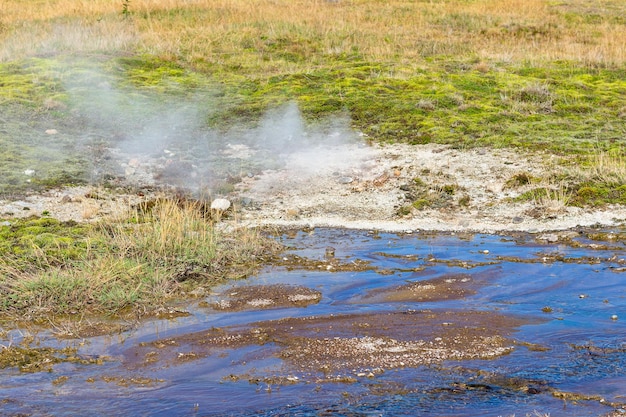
(135, 265)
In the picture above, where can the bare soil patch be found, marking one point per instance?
(350, 185)
(369, 192)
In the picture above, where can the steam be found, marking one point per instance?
(161, 139)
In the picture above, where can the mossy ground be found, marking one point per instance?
(558, 107)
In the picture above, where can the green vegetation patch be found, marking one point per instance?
(561, 107)
(29, 242)
(137, 265)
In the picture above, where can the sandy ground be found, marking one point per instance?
(367, 193)
(363, 187)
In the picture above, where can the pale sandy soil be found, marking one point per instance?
(358, 186)
(378, 174)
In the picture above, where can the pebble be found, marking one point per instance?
(51, 132)
(549, 237)
(5, 223)
(486, 251)
(29, 172)
(345, 180)
(614, 317)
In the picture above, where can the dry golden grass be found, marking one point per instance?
(244, 32)
(607, 167)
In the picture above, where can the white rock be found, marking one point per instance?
(220, 204)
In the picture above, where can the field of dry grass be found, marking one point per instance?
(244, 33)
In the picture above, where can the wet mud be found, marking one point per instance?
(265, 296)
(353, 343)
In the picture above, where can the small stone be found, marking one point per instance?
(29, 172)
(51, 132)
(518, 219)
(292, 213)
(345, 180)
(220, 204)
(614, 317)
(549, 237)
(5, 223)
(66, 199)
(486, 251)
(582, 296)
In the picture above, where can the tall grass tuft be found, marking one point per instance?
(138, 263)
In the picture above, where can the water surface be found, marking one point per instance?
(568, 358)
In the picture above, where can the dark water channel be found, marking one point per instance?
(567, 300)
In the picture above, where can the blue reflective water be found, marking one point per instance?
(570, 291)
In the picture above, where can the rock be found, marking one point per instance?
(51, 132)
(345, 180)
(66, 199)
(292, 213)
(220, 204)
(5, 223)
(29, 172)
(614, 317)
(549, 237)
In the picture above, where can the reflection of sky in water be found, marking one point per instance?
(586, 350)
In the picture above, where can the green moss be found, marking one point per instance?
(28, 242)
(599, 194)
(421, 203)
